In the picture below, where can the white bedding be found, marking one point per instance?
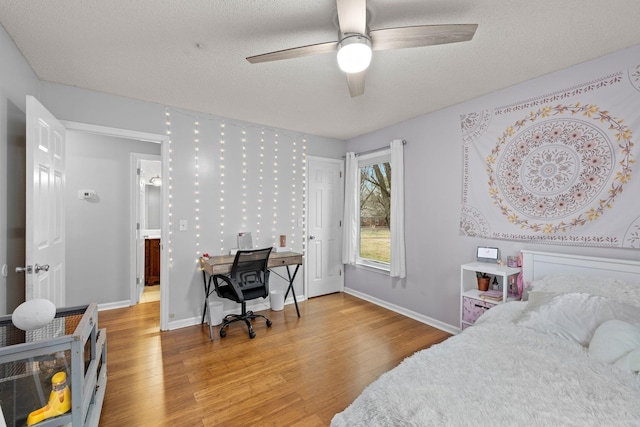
(524, 377)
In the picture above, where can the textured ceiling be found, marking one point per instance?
(191, 53)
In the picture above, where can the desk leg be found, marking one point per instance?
(206, 294)
(290, 288)
(207, 288)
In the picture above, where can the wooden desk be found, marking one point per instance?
(221, 264)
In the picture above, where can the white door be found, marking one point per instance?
(140, 225)
(324, 230)
(45, 233)
(144, 167)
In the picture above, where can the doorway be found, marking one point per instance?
(129, 265)
(148, 223)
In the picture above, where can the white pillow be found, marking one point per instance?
(573, 316)
(617, 290)
(33, 314)
(614, 339)
(630, 362)
(503, 313)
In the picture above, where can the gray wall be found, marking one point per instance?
(433, 182)
(79, 105)
(97, 230)
(16, 81)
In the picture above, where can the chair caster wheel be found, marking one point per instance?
(252, 334)
(269, 323)
(223, 333)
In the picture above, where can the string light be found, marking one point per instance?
(196, 140)
(221, 205)
(294, 206)
(170, 204)
(275, 188)
(260, 182)
(244, 179)
(248, 214)
(304, 195)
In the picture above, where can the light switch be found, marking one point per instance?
(184, 225)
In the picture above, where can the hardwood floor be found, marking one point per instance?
(301, 371)
(150, 294)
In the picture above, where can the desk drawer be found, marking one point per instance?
(277, 261)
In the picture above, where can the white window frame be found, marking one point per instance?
(380, 156)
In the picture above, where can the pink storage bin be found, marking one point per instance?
(473, 308)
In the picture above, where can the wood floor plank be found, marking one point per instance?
(299, 372)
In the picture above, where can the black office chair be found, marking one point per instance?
(249, 279)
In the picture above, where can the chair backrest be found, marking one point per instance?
(249, 268)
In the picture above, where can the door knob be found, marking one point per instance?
(39, 268)
(28, 269)
(312, 237)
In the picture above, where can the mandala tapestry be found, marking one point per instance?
(558, 169)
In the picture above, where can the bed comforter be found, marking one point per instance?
(500, 374)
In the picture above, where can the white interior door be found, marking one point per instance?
(324, 235)
(140, 225)
(45, 180)
(143, 168)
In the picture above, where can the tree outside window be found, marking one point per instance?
(375, 212)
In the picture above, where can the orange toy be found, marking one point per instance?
(59, 400)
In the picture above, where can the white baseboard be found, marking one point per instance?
(412, 314)
(259, 306)
(183, 323)
(114, 305)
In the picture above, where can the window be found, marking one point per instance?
(374, 242)
(373, 229)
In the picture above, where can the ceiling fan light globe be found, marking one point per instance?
(354, 54)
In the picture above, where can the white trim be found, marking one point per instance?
(401, 310)
(377, 157)
(119, 133)
(259, 306)
(164, 239)
(135, 291)
(113, 305)
(373, 265)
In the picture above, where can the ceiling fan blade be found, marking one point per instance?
(356, 83)
(352, 16)
(421, 35)
(295, 52)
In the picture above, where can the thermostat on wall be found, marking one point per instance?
(87, 194)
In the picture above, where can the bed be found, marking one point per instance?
(570, 355)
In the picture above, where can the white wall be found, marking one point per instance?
(185, 291)
(433, 180)
(98, 231)
(264, 187)
(16, 81)
(84, 106)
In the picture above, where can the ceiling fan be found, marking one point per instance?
(356, 41)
